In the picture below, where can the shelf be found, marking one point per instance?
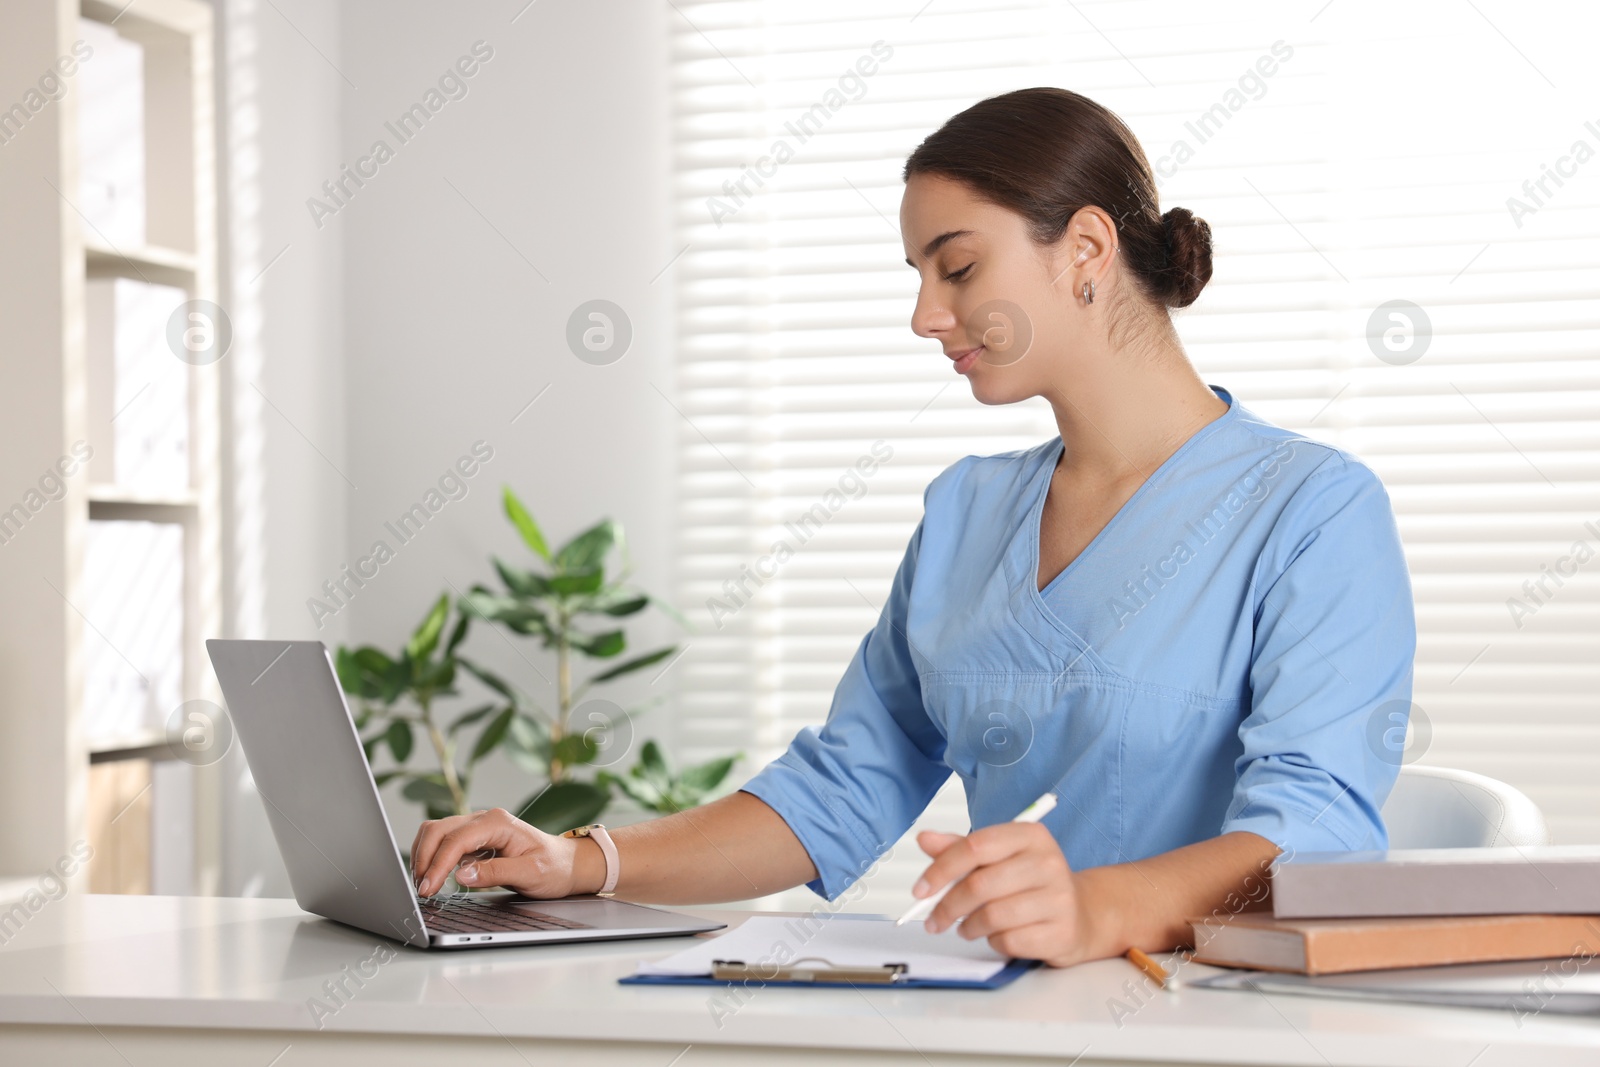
(110, 503)
(46, 768)
(116, 494)
(151, 745)
(173, 16)
(159, 266)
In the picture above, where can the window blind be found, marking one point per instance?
(1340, 181)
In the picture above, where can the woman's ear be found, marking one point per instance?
(1084, 249)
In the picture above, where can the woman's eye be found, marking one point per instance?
(955, 276)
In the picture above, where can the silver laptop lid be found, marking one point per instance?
(305, 755)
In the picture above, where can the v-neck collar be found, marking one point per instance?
(1025, 551)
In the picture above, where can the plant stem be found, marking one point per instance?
(558, 728)
(447, 760)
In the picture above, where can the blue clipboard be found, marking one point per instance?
(1005, 976)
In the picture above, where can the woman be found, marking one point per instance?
(1176, 616)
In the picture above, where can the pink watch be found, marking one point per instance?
(608, 849)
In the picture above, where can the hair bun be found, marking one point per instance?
(1188, 246)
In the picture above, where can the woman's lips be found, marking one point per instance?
(965, 363)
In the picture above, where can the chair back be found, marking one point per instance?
(1437, 807)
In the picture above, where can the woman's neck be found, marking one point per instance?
(1123, 421)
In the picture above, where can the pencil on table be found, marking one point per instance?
(1151, 968)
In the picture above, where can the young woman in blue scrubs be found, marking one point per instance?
(1181, 619)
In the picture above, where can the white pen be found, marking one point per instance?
(924, 907)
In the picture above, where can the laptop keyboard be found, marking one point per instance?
(463, 915)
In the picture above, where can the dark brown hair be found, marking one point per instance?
(1046, 152)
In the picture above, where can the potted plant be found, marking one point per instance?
(396, 694)
(571, 605)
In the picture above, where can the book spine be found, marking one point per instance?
(1438, 943)
(1365, 890)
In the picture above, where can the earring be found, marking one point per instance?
(1088, 291)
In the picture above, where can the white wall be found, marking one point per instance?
(543, 187)
(408, 326)
(285, 433)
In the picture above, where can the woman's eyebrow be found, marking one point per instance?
(938, 242)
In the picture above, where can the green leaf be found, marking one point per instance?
(492, 735)
(521, 582)
(488, 678)
(672, 611)
(399, 738)
(457, 635)
(600, 645)
(530, 731)
(622, 545)
(527, 745)
(564, 805)
(381, 780)
(615, 602)
(438, 677)
(575, 749)
(429, 789)
(523, 616)
(479, 603)
(351, 677)
(640, 792)
(370, 745)
(634, 664)
(576, 582)
(469, 717)
(627, 607)
(525, 525)
(426, 637)
(395, 681)
(652, 766)
(588, 549)
(530, 623)
(700, 780)
(364, 673)
(371, 659)
(363, 717)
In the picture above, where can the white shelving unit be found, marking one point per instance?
(53, 251)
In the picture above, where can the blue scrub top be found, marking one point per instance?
(1233, 651)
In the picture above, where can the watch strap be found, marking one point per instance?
(608, 849)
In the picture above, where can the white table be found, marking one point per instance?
(163, 981)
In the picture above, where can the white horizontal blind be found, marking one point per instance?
(1490, 442)
(1336, 182)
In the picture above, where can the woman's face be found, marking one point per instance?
(988, 293)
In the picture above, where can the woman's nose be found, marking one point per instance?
(931, 318)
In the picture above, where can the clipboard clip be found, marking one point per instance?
(739, 971)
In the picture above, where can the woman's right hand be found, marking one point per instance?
(528, 860)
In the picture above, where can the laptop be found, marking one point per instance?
(286, 704)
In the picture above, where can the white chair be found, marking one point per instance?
(1436, 807)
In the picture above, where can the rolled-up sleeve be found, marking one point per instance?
(850, 789)
(1331, 668)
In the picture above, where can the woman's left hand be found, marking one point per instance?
(1013, 886)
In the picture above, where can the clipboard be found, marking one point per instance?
(844, 950)
(815, 971)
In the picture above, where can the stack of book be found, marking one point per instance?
(1408, 920)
